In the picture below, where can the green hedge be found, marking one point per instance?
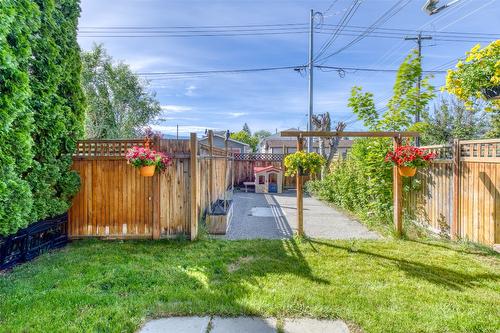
(41, 109)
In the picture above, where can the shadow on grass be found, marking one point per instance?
(434, 274)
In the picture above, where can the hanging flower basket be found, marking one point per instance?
(408, 158)
(407, 171)
(491, 93)
(303, 164)
(147, 160)
(148, 170)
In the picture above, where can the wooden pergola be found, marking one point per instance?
(397, 181)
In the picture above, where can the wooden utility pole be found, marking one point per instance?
(397, 189)
(300, 194)
(419, 38)
(193, 169)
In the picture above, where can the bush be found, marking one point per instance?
(362, 183)
(41, 109)
(17, 21)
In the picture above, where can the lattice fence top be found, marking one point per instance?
(443, 152)
(105, 149)
(258, 157)
(480, 150)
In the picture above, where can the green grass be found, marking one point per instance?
(379, 286)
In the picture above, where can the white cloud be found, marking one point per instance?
(182, 129)
(237, 114)
(176, 108)
(190, 91)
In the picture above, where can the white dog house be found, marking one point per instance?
(268, 179)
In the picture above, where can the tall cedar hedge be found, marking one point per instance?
(41, 109)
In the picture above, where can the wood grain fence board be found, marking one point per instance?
(478, 202)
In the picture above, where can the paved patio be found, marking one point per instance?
(242, 325)
(273, 216)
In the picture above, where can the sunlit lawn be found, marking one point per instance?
(379, 286)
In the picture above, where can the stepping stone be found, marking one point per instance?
(307, 325)
(243, 325)
(177, 325)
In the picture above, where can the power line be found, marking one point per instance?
(224, 71)
(396, 8)
(362, 69)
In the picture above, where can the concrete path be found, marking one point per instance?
(273, 216)
(242, 325)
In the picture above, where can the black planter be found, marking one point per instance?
(30, 242)
(491, 93)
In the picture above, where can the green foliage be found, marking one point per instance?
(363, 106)
(41, 109)
(303, 163)
(479, 71)
(362, 183)
(244, 137)
(119, 106)
(452, 120)
(58, 107)
(18, 21)
(262, 134)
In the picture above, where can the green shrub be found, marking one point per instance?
(362, 183)
(58, 107)
(17, 21)
(41, 109)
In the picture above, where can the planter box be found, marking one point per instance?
(30, 242)
(218, 220)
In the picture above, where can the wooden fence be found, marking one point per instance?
(114, 201)
(460, 192)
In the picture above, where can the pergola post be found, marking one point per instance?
(300, 194)
(397, 194)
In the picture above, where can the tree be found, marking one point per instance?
(18, 20)
(322, 122)
(404, 103)
(246, 129)
(244, 137)
(57, 104)
(118, 104)
(451, 119)
(476, 75)
(262, 134)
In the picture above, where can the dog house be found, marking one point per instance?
(268, 179)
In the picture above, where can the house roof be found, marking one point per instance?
(224, 137)
(265, 169)
(278, 143)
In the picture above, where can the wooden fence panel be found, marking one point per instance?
(113, 201)
(478, 193)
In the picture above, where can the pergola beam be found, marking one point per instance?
(319, 134)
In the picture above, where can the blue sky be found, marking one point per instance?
(273, 100)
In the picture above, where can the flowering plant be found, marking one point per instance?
(478, 76)
(303, 163)
(140, 157)
(410, 156)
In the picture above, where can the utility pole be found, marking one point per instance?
(419, 40)
(311, 68)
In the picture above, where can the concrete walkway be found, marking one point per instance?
(242, 325)
(273, 216)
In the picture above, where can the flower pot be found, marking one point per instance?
(491, 93)
(148, 170)
(407, 171)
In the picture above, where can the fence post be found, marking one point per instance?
(194, 185)
(300, 194)
(397, 194)
(156, 197)
(210, 169)
(456, 190)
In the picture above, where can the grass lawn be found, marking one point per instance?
(380, 286)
